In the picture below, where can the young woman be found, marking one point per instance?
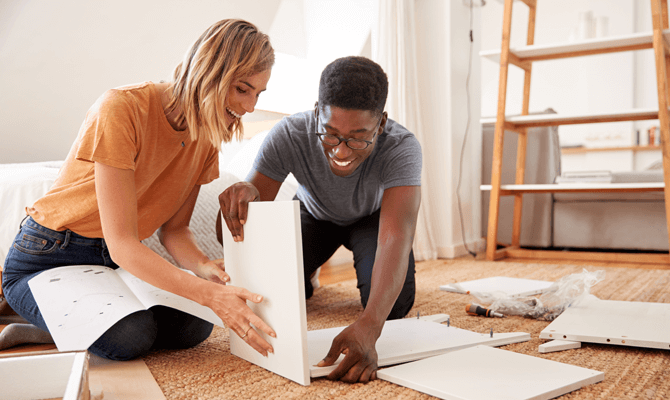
(136, 166)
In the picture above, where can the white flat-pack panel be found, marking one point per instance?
(269, 262)
(48, 376)
(558, 345)
(410, 339)
(513, 287)
(626, 323)
(486, 373)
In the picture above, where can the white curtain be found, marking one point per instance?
(394, 48)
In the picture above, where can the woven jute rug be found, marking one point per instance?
(209, 371)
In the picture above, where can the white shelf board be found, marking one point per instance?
(512, 287)
(558, 49)
(527, 121)
(483, 372)
(579, 187)
(272, 237)
(408, 339)
(558, 345)
(623, 323)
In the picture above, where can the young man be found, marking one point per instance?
(360, 177)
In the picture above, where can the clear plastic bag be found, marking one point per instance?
(562, 294)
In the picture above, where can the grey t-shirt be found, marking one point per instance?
(292, 147)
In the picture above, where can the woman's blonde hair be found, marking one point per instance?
(229, 49)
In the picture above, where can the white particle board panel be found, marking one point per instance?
(558, 345)
(409, 339)
(60, 375)
(485, 373)
(625, 323)
(269, 262)
(513, 287)
(439, 318)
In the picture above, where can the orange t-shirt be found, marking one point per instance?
(127, 128)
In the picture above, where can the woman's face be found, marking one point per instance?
(243, 95)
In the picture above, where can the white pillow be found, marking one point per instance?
(20, 186)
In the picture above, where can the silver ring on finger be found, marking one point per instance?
(245, 333)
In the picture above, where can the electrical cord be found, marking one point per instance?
(465, 137)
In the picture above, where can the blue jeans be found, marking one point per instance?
(37, 249)
(320, 239)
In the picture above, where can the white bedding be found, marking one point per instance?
(20, 186)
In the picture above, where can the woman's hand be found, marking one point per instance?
(229, 303)
(212, 270)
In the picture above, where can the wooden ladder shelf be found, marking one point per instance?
(523, 58)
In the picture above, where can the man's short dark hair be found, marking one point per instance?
(354, 83)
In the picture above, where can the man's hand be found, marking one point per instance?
(234, 202)
(213, 270)
(357, 343)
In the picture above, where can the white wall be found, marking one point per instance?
(59, 56)
(443, 47)
(307, 35)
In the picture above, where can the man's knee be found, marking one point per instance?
(403, 303)
(402, 306)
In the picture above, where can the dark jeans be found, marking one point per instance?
(36, 249)
(320, 239)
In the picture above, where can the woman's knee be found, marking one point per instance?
(130, 338)
(179, 330)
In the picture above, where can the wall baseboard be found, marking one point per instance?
(459, 250)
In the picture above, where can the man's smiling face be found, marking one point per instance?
(346, 124)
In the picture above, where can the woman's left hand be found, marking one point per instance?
(213, 270)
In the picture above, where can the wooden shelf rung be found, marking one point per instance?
(538, 120)
(587, 47)
(662, 259)
(510, 190)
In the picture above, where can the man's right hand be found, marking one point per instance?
(234, 202)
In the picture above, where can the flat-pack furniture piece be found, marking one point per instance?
(512, 287)
(623, 323)
(45, 376)
(269, 262)
(483, 373)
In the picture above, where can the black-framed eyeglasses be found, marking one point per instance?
(352, 143)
